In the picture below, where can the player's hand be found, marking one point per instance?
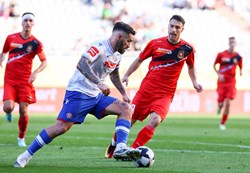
(126, 98)
(221, 77)
(198, 87)
(125, 80)
(104, 88)
(32, 77)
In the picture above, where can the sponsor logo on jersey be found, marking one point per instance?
(109, 64)
(163, 50)
(181, 54)
(225, 59)
(16, 45)
(93, 51)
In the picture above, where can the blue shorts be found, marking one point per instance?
(77, 105)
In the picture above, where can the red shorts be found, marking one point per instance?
(226, 91)
(19, 93)
(145, 105)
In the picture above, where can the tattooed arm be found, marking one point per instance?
(115, 79)
(84, 67)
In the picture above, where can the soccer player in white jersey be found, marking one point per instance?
(87, 93)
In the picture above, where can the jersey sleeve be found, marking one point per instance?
(6, 46)
(190, 59)
(240, 63)
(217, 59)
(147, 51)
(94, 51)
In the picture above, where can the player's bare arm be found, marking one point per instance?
(220, 76)
(192, 75)
(133, 67)
(41, 67)
(84, 67)
(115, 79)
(2, 56)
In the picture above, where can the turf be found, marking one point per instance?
(181, 145)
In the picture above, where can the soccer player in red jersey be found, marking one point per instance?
(168, 55)
(18, 80)
(228, 61)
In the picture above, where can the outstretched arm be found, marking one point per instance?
(84, 67)
(115, 78)
(192, 75)
(134, 66)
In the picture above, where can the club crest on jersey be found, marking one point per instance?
(181, 54)
(29, 48)
(235, 60)
(69, 115)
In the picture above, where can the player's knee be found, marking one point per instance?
(228, 102)
(154, 121)
(126, 110)
(7, 109)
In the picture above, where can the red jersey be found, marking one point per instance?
(165, 67)
(228, 63)
(21, 54)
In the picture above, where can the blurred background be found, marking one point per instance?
(66, 27)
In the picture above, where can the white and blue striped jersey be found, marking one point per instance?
(103, 61)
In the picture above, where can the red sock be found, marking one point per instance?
(143, 136)
(114, 137)
(23, 124)
(224, 119)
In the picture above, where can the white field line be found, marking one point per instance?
(153, 140)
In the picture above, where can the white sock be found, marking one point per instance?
(120, 146)
(113, 143)
(27, 154)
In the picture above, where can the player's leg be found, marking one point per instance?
(148, 131)
(111, 106)
(8, 106)
(225, 114)
(220, 99)
(159, 109)
(76, 106)
(9, 98)
(112, 146)
(44, 138)
(230, 93)
(22, 123)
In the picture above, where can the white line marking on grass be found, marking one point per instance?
(155, 149)
(153, 140)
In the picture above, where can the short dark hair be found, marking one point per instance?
(28, 13)
(121, 26)
(231, 38)
(178, 18)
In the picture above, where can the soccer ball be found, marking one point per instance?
(147, 157)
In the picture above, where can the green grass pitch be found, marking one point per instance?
(181, 145)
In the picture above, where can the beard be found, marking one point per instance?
(120, 47)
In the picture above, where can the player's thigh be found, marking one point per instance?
(26, 93)
(9, 93)
(161, 107)
(108, 105)
(76, 106)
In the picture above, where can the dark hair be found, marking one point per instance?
(178, 18)
(120, 26)
(231, 38)
(28, 13)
